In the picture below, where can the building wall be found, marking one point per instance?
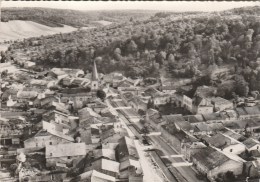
(43, 141)
(64, 160)
(187, 102)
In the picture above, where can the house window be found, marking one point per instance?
(36, 144)
(231, 150)
(69, 157)
(50, 143)
(257, 147)
(50, 154)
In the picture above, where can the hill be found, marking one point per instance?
(205, 48)
(18, 29)
(58, 17)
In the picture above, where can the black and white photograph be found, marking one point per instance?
(120, 91)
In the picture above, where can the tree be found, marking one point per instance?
(101, 94)
(241, 86)
(145, 130)
(131, 47)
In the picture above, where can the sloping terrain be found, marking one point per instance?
(18, 29)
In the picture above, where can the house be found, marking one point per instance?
(190, 148)
(26, 95)
(60, 73)
(93, 176)
(64, 153)
(113, 135)
(97, 106)
(47, 137)
(176, 137)
(202, 105)
(225, 143)
(131, 168)
(105, 166)
(221, 104)
(251, 144)
(248, 112)
(158, 97)
(138, 104)
(207, 128)
(248, 125)
(76, 94)
(104, 153)
(212, 162)
(187, 103)
(252, 169)
(87, 117)
(29, 64)
(179, 122)
(126, 150)
(168, 89)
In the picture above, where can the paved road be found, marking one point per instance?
(150, 175)
(187, 172)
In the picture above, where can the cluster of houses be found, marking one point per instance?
(65, 130)
(217, 137)
(67, 133)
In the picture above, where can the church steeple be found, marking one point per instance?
(94, 72)
(94, 78)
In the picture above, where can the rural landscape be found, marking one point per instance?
(129, 95)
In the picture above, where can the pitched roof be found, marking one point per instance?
(126, 147)
(65, 150)
(210, 157)
(107, 153)
(52, 131)
(26, 94)
(221, 141)
(205, 91)
(220, 100)
(94, 72)
(250, 142)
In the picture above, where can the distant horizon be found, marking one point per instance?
(173, 6)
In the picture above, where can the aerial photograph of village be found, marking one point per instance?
(129, 91)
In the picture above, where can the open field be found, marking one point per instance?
(18, 29)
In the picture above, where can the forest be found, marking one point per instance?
(60, 17)
(217, 49)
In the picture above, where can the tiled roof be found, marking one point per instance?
(210, 158)
(250, 142)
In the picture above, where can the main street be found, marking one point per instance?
(186, 171)
(182, 173)
(150, 174)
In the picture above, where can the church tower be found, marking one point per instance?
(94, 79)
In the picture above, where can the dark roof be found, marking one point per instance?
(220, 141)
(75, 91)
(250, 142)
(126, 147)
(210, 158)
